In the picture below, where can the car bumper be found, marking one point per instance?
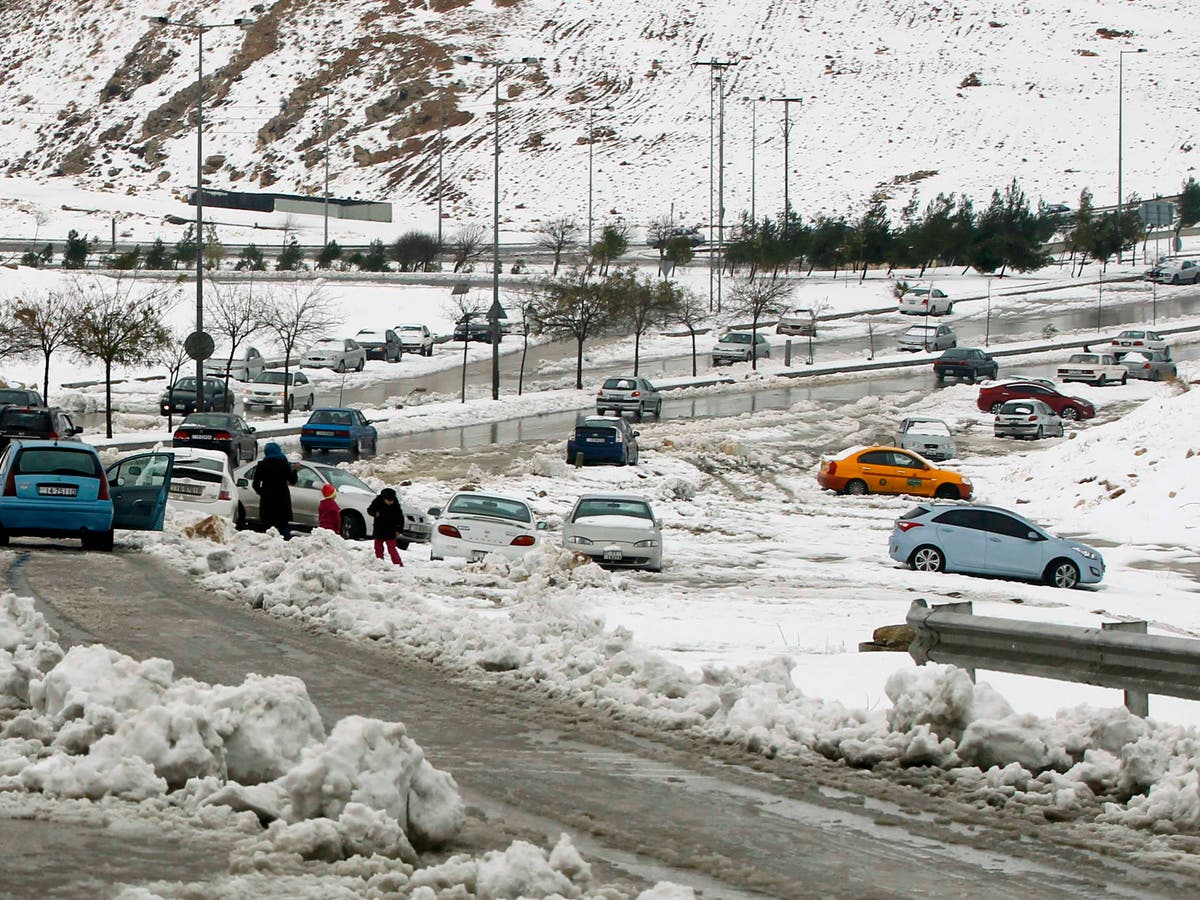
(725, 359)
(264, 402)
(629, 558)
(226, 509)
(177, 408)
(831, 482)
(226, 447)
(802, 330)
(318, 442)
(19, 519)
(619, 405)
(1090, 571)
(440, 545)
(417, 534)
(596, 453)
(956, 372)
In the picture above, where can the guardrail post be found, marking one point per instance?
(1137, 702)
(787, 353)
(965, 608)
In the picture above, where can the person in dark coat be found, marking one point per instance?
(273, 477)
(388, 518)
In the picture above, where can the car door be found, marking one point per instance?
(914, 476)
(880, 473)
(365, 428)
(306, 496)
(138, 486)
(302, 389)
(960, 535)
(1009, 551)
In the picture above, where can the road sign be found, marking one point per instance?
(496, 312)
(1157, 213)
(199, 345)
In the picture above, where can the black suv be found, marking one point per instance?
(181, 397)
(970, 363)
(475, 329)
(29, 423)
(20, 397)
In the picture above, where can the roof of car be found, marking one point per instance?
(611, 495)
(493, 495)
(39, 443)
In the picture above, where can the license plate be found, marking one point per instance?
(192, 490)
(58, 490)
(613, 555)
(478, 555)
(595, 440)
(325, 434)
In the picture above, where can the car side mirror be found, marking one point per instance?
(636, 433)
(243, 482)
(1033, 536)
(542, 526)
(434, 511)
(250, 429)
(77, 430)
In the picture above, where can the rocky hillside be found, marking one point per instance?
(901, 95)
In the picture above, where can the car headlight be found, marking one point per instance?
(1087, 554)
(647, 543)
(966, 481)
(577, 539)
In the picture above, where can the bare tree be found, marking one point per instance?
(659, 232)
(297, 314)
(556, 236)
(118, 322)
(691, 312)
(173, 357)
(467, 245)
(40, 325)
(577, 307)
(642, 303)
(463, 308)
(758, 299)
(234, 314)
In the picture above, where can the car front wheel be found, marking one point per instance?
(946, 492)
(1063, 573)
(1070, 413)
(927, 559)
(996, 407)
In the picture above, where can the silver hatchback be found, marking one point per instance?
(928, 338)
(1031, 419)
(622, 395)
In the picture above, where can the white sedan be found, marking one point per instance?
(615, 530)
(267, 391)
(474, 524)
(201, 480)
(1136, 339)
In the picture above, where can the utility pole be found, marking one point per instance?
(1120, 142)
(787, 129)
(716, 183)
(441, 151)
(754, 101)
(326, 244)
(591, 157)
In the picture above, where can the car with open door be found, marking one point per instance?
(60, 489)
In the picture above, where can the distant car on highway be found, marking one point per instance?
(475, 328)
(629, 394)
(740, 346)
(931, 438)
(341, 354)
(343, 429)
(1137, 339)
(61, 490)
(928, 338)
(1175, 271)
(267, 390)
(691, 235)
(615, 530)
(993, 397)
(1093, 368)
(925, 301)
(988, 540)
(223, 432)
(474, 524)
(603, 439)
(243, 367)
(1150, 365)
(1031, 419)
(969, 363)
(33, 423)
(891, 470)
(380, 344)
(415, 339)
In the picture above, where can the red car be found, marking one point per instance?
(991, 398)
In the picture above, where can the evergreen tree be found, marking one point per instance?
(76, 252)
(1189, 205)
(375, 259)
(251, 259)
(329, 254)
(291, 257)
(185, 248)
(157, 257)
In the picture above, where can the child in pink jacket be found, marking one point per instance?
(329, 514)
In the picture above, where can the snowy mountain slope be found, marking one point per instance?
(89, 92)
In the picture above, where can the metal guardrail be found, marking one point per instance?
(1117, 655)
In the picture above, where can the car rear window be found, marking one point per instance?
(57, 461)
(25, 420)
(496, 507)
(193, 470)
(330, 417)
(620, 384)
(915, 513)
(209, 420)
(18, 397)
(1017, 409)
(635, 508)
(609, 432)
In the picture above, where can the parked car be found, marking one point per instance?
(1175, 271)
(341, 354)
(1137, 339)
(474, 524)
(1015, 377)
(476, 328)
(181, 397)
(223, 432)
(632, 394)
(928, 338)
(338, 429)
(925, 301)
(994, 396)
(740, 346)
(1028, 419)
(20, 397)
(415, 339)
(46, 423)
(378, 344)
(692, 235)
(603, 439)
(266, 390)
(1094, 368)
(201, 480)
(1150, 365)
(968, 363)
(243, 367)
(798, 320)
(353, 496)
(615, 530)
(891, 470)
(61, 490)
(931, 438)
(988, 540)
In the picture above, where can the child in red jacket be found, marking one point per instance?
(329, 514)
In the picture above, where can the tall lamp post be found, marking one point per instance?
(753, 101)
(591, 156)
(716, 80)
(1120, 127)
(199, 28)
(495, 312)
(787, 131)
(325, 244)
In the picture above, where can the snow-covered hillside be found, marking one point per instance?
(92, 95)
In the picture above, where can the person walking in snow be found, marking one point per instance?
(329, 514)
(273, 478)
(388, 520)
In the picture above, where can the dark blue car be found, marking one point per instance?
(338, 429)
(602, 439)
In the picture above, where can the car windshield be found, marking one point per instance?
(410, 327)
(340, 478)
(620, 384)
(736, 338)
(331, 417)
(636, 508)
(328, 344)
(208, 420)
(919, 291)
(371, 335)
(1084, 358)
(273, 378)
(14, 396)
(495, 507)
(57, 461)
(185, 384)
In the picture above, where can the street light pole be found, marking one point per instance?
(441, 151)
(787, 130)
(1120, 141)
(754, 101)
(716, 68)
(495, 312)
(199, 28)
(326, 243)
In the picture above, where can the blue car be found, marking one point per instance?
(338, 429)
(602, 439)
(988, 540)
(61, 490)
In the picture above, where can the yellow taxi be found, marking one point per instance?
(890, 470)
